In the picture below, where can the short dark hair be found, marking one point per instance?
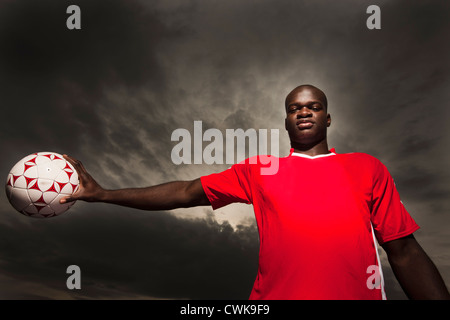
(308, 86)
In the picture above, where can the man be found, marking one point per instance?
(318, 216)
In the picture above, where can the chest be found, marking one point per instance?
(315, 194)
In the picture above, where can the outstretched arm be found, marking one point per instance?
(167, 196)
(414, 270)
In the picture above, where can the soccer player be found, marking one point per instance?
(319, 216)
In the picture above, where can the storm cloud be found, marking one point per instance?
(112, 93)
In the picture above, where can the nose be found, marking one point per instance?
(304, 112)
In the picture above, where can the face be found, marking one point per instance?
(306, 117)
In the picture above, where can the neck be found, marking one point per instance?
(311, 150)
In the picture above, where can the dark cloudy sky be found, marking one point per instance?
(112, 93)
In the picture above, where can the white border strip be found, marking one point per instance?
(383, 294)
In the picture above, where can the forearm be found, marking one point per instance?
(417, 274)
(165, 196)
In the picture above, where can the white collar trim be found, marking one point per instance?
(313, 157)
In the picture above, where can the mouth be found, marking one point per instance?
(304, 124)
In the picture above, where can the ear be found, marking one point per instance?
(285, 124)
(328, 120)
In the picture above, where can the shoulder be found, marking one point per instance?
(363, 160)
(360, 156)
(259, 160)
(258, 165)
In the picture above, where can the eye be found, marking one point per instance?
(316, 107)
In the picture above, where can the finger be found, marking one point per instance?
(72, 161)
(66, 199)
(76, 164)
(77, 195)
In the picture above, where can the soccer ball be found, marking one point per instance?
(37, 182)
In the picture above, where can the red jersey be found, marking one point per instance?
(317, 218)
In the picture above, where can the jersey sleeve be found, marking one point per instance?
(229, 186)
(389, 217)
